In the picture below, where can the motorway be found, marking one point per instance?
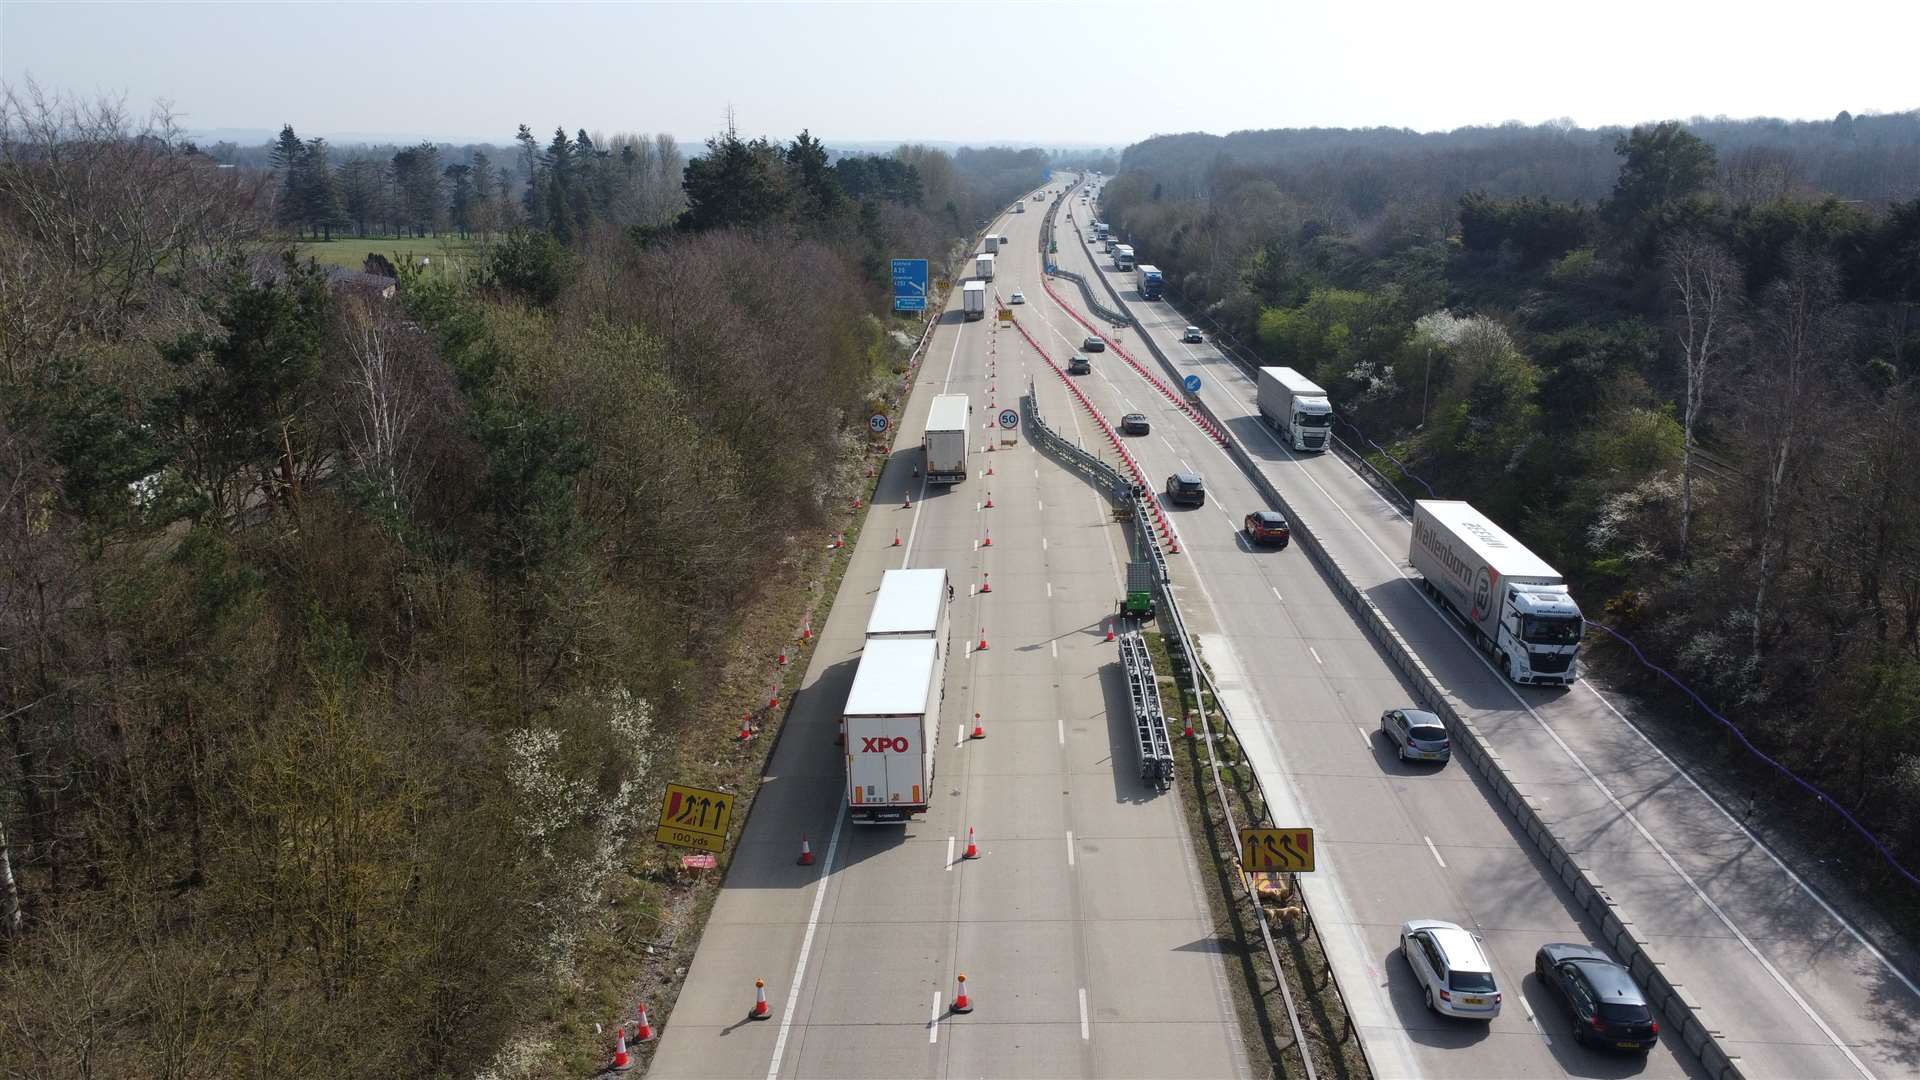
(1793, 990)
(1082, 929)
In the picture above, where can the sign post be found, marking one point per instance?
(909, 284)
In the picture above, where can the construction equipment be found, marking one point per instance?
(1149, 721)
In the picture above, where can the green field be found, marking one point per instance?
(446, 251)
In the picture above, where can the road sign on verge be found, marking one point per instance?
(1009, 419)
(878, 422)
(1192, 383)
(1277, 849)
(909, 284)
(696, 818)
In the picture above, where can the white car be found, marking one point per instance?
(1017, 298)
(1452, 970)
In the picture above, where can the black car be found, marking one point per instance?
(1079, 365)
(1605, 1003)
(1135, 424)
(1267, 527)
(1186, 489)
(1094, 344)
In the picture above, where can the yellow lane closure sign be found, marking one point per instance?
(1277, 849)
(696, 818)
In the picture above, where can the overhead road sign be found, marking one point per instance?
(909, 284)
(695, 817)
(1287, 850)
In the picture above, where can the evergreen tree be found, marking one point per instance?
(317, 193)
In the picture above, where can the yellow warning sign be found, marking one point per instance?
(1006, 315)
(1289, 850)
(696, 818)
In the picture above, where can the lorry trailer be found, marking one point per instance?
(910, 604)
(1296, 407)
(1147, 279)
(991, 243)
(983, 266)
(973, 296)
(892, 721)
(1517, 606)
(945, 444)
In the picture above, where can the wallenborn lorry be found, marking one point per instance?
(983, 266)
(892, 720)
(946, 440)
(974, 296)
(1517, 606)
(1148, 280)
(1295, 406)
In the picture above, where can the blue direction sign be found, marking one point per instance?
(878, 422)
(1009, 419)
(909, 284)
(1192, 383)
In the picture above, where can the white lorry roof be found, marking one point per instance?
(975, 286)
(909, 602)
(949, 413)
(1507, 556)
(894, 678)
(1294, 381)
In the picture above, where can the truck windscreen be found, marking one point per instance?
(1315, 420)
(1552, 630)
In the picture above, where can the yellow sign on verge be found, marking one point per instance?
(1289, 850)
(694, 817)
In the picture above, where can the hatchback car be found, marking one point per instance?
(1420, 736)
(1094, 344)
(1267, 527)
(1192, 336)
(1605, 1003)
(1186, 489)
(1017, 298)
(1079, 365)
(1135, 424)
(1451, 969)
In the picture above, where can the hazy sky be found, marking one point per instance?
(1039, 72)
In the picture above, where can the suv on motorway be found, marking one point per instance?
(1419, 735)
(1451, 969)
(1135, 424)
(1079, 365)
(1606, 1005)
(1192, 336)
(1186, 489)
(1267, 527)
(1093, 344)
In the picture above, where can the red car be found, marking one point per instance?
(1268, 527)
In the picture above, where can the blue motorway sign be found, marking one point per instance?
(1192, 383)
(909, 284)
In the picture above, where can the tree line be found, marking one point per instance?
(1692, 394)
(340, 635)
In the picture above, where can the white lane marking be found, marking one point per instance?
(1276, 593)
(1036, 474)
(1084, 1034)
(1316, 656)
(1060, 728)
(1043, 543)
(806, 947)
(1055, 646)
(933, 1022)
(1365, 737)
(1049, 590)
(949, 863)
(1069, 847)
(1535, 1021)
(1436, 852)
(1040, 504)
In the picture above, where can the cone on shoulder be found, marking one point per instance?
(643, 1031)
(760, 1009)
(622, 1061)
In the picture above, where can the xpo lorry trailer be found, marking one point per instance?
(945, 444)
(1517, 606)
(892, 720)
(974, 297)
(1295, 406)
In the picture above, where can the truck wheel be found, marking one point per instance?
(1506, 665)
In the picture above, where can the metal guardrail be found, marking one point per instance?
(1149, 719)
(1093, 305)
(1105, 477)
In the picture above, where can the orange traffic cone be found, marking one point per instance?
(896, 538)
(979, 732)
(856, 502)
(746, 726)
(983, 640)
(622, 1061)
(989, 500)
(806, 851)
(989, 468)
(783, 658)
(806, 629)
(644, 1032)
(986, 582)
(906, 501)
(1109, 629)
(773, 698)
(973, 850)
(962, 1003)
(760, 1010)
(1188, 734)
(988, 542)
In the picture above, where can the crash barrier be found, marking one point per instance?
(1104, 477)
(1149, 719)
(1093, 305)
(1184, 402)
(1616, 926)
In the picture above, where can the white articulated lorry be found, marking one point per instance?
(910, 604)
(1296, 406)
(983, 266)
(892, 721)
(973, 296)
(1517, 607)
(945, 444)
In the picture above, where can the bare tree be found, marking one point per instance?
(383, 404)
(1704, 282)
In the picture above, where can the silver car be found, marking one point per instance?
(1451, 969)
(1419, 736)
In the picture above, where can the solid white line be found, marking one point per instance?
(1316, 655)
(806, 947)
(933, 1022)
(1084, 1033)
(949, 864)
(1436, 852)
(1069, 847)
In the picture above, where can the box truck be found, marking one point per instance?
(1517, 606)
(1148, 281)
(892, 720)
(973, 295)
(983, 266)
(992, 243)
(1123, 258)
(1296, 407)
(945, 444)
